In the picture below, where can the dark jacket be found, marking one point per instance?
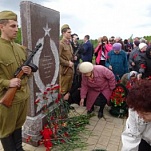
(145, 64)
(77, 50)
(88, 51)
(135, 57)
(75, 90)
(76, 83)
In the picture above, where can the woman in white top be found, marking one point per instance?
(137, 135)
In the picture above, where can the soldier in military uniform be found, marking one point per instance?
(66, 61)
(12, 55)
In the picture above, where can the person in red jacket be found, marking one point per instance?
(102, 50)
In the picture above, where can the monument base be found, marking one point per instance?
(32, 128)
(33, 125)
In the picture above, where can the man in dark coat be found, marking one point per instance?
(88, 50)
(77, 51)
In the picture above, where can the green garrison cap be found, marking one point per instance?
(8, 15)
(65, 26)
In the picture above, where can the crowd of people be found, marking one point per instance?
(81, 81)
(116, 61)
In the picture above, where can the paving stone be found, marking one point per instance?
(96, 137)
(29, 147)
(89, 127)
(108, 119)
(102, 121)
(0, 146)
(117, 132)
(107, 132)
(112, 147)
(96, 133)
(92, 141)
(109, 125)
(88, 148)
(117, 142)
(119, 126)
(99, 146)
(103, 140)
(94, 118)
(120, 146)
(93, 122)
(118, 121)
(116, 137)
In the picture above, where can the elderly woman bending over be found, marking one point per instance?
(97, 85)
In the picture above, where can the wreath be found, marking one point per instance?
(118, 101)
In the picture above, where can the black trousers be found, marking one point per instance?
(100, 100)
(102, 62)
(75, 98)
(144, 146)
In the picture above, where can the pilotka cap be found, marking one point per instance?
(8, 15)
(65, 26)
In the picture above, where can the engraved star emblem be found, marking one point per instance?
(46, 29)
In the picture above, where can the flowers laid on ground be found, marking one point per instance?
(63, 128)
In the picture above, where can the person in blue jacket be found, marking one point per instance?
(88, 50)
(117, 61)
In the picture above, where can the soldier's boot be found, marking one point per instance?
(8, 143)
(17, 136)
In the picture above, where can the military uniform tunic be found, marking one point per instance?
(66, 55)
(12, 56)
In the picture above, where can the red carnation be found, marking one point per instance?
(47, 133)
(28, 139)
(37, 101)
(48, 89)
(143, 66)
(45, 92)
(55, 87)
(135, 56)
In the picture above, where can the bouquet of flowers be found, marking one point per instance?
(118, 101)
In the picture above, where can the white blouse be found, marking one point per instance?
(136, 129)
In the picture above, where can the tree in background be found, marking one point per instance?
(94, 42)
(19, 37)
(148, 38)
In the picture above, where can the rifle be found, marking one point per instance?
(7, 99)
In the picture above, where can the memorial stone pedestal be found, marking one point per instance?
(40, 25)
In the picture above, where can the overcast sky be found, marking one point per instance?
(98, 17)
